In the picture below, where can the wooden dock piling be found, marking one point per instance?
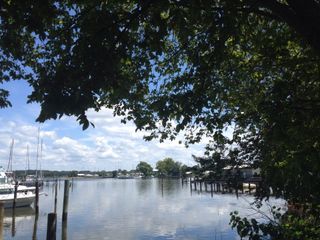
(37, 198)
(35, 227)
(52, 226)
(65, 200)
(64, 230)
(55, 196)
(1, 220)
(15, 195)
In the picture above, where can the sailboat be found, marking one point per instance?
(25, 195)
(30, 180)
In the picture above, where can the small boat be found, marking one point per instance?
(25, 195)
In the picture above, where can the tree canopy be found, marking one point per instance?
(168, 168)
(170, 66)
(144, 168)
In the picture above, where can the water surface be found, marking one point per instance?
(130, 209)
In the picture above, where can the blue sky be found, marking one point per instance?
(108, 146)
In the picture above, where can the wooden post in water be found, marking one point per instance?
(55, 196)
(71, 184)
(13, 223)
(200, 186)
(64, 230)
(15, 195)
(249, 188)
(35, 227)
(65, 201)
(1, 220)
(37, 197)
(52, 226)
(205, 185)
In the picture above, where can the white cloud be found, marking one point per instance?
(110, 145)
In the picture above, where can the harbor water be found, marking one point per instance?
(130, 209)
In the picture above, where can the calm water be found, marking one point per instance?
(130, 209)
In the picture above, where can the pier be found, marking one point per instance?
(226, 185)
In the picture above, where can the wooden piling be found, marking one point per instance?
(65, 201)
(55, 196)
(249, 188)
(52, 226)
(64, 232)
(162, 186)
(200, 186)
(1, 220)
(205, 185)
(35, 227)
(37, 198)
(15, 195)
(13, 223)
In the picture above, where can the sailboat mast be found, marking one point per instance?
(41, 158)
(28, 158)
(37, 159)
(9, 168)
(27, 161)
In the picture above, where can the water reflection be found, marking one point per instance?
(13, 220)
(132, 209)
(168, 187)
(64, 233)
(143, 186)
(35, 227)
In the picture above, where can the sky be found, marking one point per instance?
(108, 146)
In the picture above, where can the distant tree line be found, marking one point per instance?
(164, 168)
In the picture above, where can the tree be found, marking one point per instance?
(168, 168)
(172, 66)
(144, 168)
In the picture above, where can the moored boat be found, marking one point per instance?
(25, 195)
